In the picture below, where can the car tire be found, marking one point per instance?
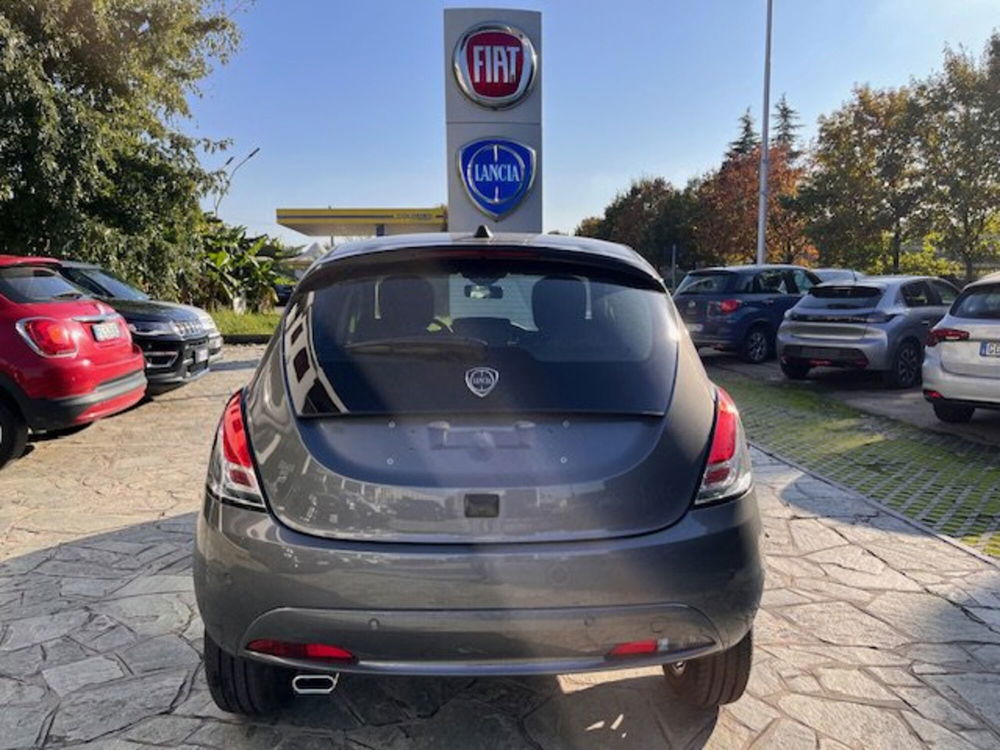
(905, 369)
(756, 346)
(954, 413)
(714, 680)
(13, 434)
(242, 686)
(795, 370)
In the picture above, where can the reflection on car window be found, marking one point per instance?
(706, 282)
(979, 302)
(946, 292)
(770, 282)
(917, 294)
(36, 284)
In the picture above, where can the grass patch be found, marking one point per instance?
(230, 322)
(949, 484)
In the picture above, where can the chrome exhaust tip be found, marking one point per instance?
(314, 684)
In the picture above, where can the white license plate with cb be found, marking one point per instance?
(989, 349)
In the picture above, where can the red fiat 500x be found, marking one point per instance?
(65, 359)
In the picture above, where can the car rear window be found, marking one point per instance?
(36, 284)
(706, 282)
(978, 302)
(474, 335)
(850, 297)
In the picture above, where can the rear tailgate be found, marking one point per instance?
(829, 311)
(699, 294)
(559, 441)
(976, 315)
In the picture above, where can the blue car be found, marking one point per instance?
(739, 308)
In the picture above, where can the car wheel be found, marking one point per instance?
(713, 680)
(904, 371)
(795, 370)
(756, 346)
(13, 434)
(954, 413)
(243, 686)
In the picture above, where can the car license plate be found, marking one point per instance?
(989, 349)
(694, 327)
(106, 331)
(200, 355)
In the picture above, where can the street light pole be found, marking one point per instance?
(229, 178)
(765, 160)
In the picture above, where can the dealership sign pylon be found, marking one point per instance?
(493, 110)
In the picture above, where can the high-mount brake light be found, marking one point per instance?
(727, 472)
(49, 337)
(231, 475)
(936, 335)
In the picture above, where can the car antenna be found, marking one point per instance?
(483, 233)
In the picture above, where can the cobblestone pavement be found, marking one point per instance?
(872, 633)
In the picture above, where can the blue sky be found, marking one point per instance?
(346, 99)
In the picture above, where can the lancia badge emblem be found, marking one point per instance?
(497, 174)
(481, 380)
(495, 65)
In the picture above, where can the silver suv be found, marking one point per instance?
(873, 323)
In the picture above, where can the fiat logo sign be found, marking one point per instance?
(495, 65)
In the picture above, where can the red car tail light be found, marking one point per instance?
(728, 306)
(231, 475)
(634, 648)
(937, 335)
(309, 651)
(49, 337)
(727, 472)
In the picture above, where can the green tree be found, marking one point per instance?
(865, 194)
(786, 123)
(960, 145)
(92, 164)
(650, 216)
(748, 139)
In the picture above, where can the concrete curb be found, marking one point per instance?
(883, 508)
(246, 338)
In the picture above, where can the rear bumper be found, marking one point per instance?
(481, 609)
(110, 397)
(869, 352)
(964, 390)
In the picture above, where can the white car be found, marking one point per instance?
(962, 355)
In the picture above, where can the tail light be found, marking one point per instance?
(231, 475)
(292, 650)
(728, 471)
(50, 337)
(937, 335)
(727, 306)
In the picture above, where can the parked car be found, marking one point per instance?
(962, 358)
(179, 341)
(282, 293)
(875, 323)
(836, 274)
(739, 308)
(65, 359)
(554, 486)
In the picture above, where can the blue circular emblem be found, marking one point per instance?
(497, 174)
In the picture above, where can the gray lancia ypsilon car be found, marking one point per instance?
(477, 455)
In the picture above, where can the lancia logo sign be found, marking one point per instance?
(495, 65)
(497, 173)
(482, 380)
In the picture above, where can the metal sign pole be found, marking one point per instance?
(764, 148)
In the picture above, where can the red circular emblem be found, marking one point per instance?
(495, 65)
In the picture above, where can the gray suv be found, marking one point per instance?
(465, 456)
(874, 323)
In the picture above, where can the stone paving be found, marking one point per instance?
(872, 634)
